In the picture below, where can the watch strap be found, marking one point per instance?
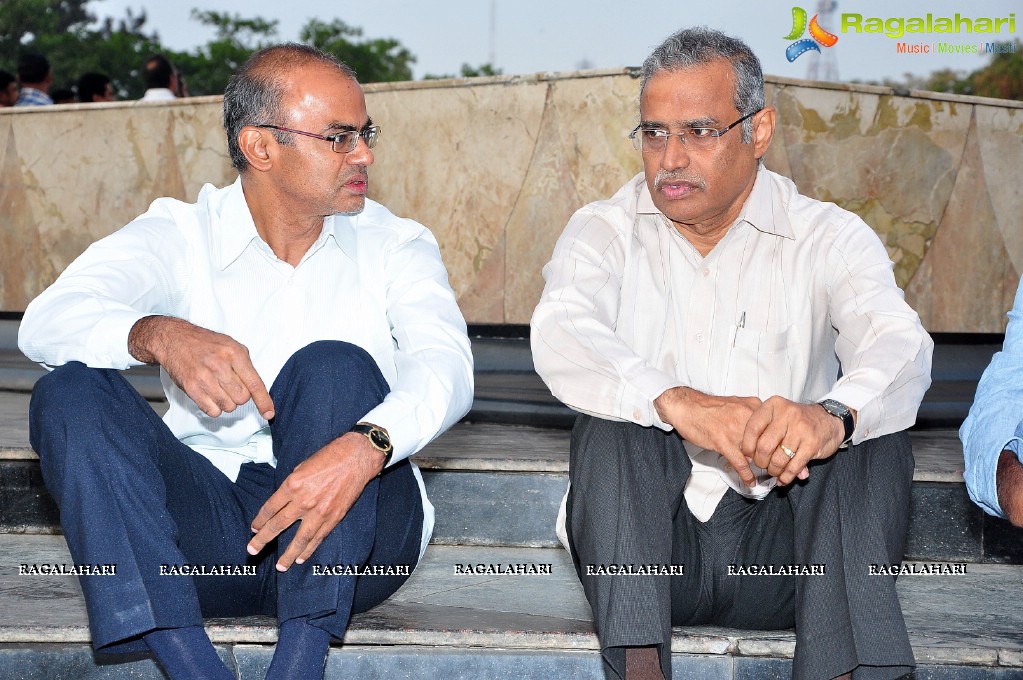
(843, 413)
(378, 439)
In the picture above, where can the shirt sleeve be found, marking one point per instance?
(575, 348)
(434, 384)
(89, 310)
(995, 422)
(884, 351)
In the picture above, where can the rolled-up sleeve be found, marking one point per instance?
(995, 422)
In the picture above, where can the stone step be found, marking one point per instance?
(501, 485)
(447, 623)
(508, 390)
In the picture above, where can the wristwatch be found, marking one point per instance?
(842, 412)
(378, 437)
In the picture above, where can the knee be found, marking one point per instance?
(330, 363)
(67, 387)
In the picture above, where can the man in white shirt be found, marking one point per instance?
(725, 339)
(309, 343)
(160, 78)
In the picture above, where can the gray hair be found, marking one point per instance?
(254, 94)
(692, 47)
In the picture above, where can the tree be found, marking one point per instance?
(208, 68)
(70, 37)
(375, 61)
(1001, 78)
(468, 71)
(66, 33)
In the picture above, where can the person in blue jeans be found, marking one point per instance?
(309, 343)
(992, 432)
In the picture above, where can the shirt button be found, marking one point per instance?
(637, 415)
(699, 337)
(728, 467)
(706, 271)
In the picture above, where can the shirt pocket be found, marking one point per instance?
(759, 363)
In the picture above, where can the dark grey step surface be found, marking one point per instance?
(509, 391)
(447, 624)
(501, 485)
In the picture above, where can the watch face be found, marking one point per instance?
(837, 408)
(380, 439)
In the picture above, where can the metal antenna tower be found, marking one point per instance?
(493, 32)
(824, 66)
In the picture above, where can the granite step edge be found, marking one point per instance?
(497, 463)
(712, 642)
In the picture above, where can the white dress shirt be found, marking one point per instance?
(372, 279)
(795, 290)
(158, 94)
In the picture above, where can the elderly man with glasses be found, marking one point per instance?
(745, 365)
(309, 343)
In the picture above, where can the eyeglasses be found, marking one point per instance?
(342, 142)
(655, 140)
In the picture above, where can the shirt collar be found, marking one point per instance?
(342, 229)
(232, 224)
(763, 210)
(234, 228)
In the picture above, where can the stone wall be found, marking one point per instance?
(496, 166)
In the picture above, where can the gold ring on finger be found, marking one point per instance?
(788, 452)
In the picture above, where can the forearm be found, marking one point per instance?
(1010, 487)
(148, 337)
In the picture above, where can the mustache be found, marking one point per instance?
(674, 176)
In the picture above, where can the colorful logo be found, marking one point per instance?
(818, 36)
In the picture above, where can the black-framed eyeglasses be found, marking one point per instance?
(655, 140)
(342, 142)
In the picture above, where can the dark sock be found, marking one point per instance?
(301, 651)
(643, 663)
(187, 654)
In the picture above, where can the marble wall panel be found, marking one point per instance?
(892, 160)
(495, 167)
(582, 154)
(967, 279)
(1001, 150)
(453, 158)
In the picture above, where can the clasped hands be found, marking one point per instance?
(744, 429)
(215, 371)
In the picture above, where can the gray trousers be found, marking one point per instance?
(626, 507)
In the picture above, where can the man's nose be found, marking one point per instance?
(676, 154)
(361, 154)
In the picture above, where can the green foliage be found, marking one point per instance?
(208, 68)
(468, 71)
(67, 33)
(1001, 78)
(375, 61)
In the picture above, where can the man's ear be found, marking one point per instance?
(763, 131)
(258, 145)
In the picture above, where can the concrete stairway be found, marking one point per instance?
(496, 487)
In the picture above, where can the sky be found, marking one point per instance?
(530, 36)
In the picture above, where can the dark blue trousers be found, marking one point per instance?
(132, 495)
